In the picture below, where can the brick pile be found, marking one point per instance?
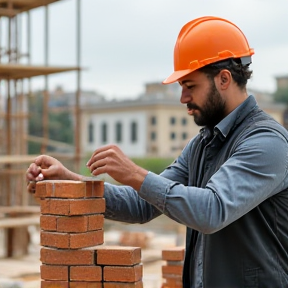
(173, 267)
(72, 235)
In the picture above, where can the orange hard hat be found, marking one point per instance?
(207, 40)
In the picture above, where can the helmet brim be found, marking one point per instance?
(175, 76)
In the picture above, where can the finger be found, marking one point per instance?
(40, 177)
(31, 186)
(32, 172)
(102, 152)
(97, 164)
(99, 171)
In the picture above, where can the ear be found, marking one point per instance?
(223, 79)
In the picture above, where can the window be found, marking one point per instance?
(172, 135)
(118, 132)
(104, 132)
(172, 120)
(134, 132)
(90, 132)
(153, 120)
(184, 121)
(184, 135)
(153, 136)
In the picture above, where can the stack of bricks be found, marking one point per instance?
(71, 236)
(173, 268)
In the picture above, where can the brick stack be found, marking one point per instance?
(71, 225)
(173, 268)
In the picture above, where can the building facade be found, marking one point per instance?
(154, 124)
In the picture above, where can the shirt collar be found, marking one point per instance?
(232, 119)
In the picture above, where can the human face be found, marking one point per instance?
(202, 98)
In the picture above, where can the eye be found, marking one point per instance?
(190, 87)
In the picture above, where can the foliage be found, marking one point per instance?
(281, 95)
(156, 165)
(60, 124)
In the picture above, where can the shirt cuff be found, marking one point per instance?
(154, 190)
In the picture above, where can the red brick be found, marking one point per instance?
(55, 284)
(85, 284)
(94, 189)
(174, 282)
(167, 285)
(139, 239)
(48, 222)
(87, 206)
(95, 222)
(60, 189)
(67, 207)
(118, 255)
(67, 257)
(54, 239)
(172, 270)
(173, 254)
(71, 240)
(123, 273)
(54, 272)
(55, 206)
(138, 284)
(72, 224)
(86, 273)
(88, 239)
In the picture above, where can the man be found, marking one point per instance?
(228, 186)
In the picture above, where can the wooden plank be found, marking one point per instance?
(18, 71)
(19, 209)
(8, 12)
(25, 5)
(19, 221)
(17, 159)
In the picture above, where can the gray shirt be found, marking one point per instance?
(256, 170)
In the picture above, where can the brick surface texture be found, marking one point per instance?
(173, 267)
(72, 238)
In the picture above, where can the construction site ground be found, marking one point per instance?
(161, 233)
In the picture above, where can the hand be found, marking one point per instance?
(49, 168)
(111, 160)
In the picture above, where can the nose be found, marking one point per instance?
(186, 96)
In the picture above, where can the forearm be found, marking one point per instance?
(124, 204)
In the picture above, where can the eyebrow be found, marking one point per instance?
(185, 81)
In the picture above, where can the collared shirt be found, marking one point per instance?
(255, 171)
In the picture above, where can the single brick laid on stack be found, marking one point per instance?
(71, 225)
(172, 270)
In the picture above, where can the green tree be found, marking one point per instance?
(60, 124)
(35, 127)
(281, 95)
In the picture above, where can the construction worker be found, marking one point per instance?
(228, 186)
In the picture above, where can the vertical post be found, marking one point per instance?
(77, 102)
(45, 119)
(8, 115)
(0, 38)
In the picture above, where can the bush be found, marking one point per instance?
(156, 165)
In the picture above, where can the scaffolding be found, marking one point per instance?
(16, 72)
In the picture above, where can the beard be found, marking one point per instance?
(212, 112)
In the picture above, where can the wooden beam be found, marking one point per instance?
(17, 71)
(20, 221)
(6, 12)
(19, 209)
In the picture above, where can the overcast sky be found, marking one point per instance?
(128, 43)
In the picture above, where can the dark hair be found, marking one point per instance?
(240, 73)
